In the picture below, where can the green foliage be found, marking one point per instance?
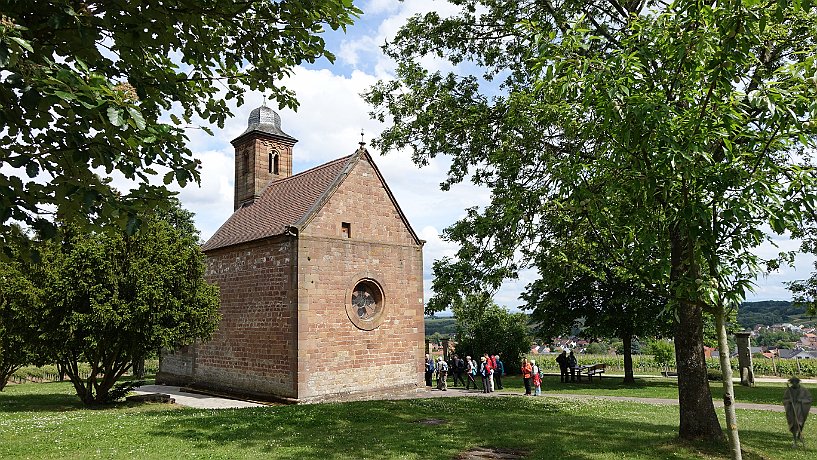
(484, 327)
(663, 352)
(782, 339)
(596, 348)
(714, 375)
(768, 313)
(86, 86)
(120, 390)
(113, 298)
(446, 327)
(19, 299)
(677, 133)
(784, 367)
(804, 292)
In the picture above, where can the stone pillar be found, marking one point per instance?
(747, 374)
(445, 348)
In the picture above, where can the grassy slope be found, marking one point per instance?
(44, 421)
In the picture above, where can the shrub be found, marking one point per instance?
(714, 375)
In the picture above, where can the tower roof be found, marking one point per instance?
(265, 120)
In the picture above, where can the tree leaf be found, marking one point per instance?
(115, 116)
(136, 116)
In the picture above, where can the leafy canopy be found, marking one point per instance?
(678, 132)
(19, 300)
(484, 327)
(85, 88)
(113, 298)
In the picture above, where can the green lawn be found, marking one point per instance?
(658, 387)
(44, 421)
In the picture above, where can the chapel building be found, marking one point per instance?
(320, 277)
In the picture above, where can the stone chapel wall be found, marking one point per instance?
(254, 349)
(336, 358)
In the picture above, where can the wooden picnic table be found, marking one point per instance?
(589, 370)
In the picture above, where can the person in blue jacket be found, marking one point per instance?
(429, 369)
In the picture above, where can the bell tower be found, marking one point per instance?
(263, 153)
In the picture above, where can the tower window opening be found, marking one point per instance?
(345, 230)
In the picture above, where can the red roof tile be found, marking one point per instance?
(282, 204)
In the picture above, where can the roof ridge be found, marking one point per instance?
(312, 169)
(266, 217)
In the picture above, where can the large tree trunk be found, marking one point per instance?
(627, 339)
(139, 368)
(728, 390)
(697, 419)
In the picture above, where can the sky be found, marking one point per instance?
(328, 124)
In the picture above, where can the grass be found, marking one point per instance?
(658, 387)
(44, 421)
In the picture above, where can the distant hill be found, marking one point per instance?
(766, 312)
(771, 312)
(445, 326)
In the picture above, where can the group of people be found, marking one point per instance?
(489, 369)
(567, 363)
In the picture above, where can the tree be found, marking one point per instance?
(805, 291)
(689, 116)
(608, 308)
(662, 352)
(19, 299)
(595, 348)
(484, 327)
(112, 299)
(85, 87)
(781, 339)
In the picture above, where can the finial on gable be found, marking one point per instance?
(362, 143)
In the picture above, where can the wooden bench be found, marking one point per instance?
(595, 369)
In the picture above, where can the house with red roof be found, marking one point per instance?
(320, 277)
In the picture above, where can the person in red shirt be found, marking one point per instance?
(527, 373)
(490, 366)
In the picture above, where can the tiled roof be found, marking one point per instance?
(282, 204)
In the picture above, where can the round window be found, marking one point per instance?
(365, 305)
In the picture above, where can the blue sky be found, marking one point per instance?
(328, 125)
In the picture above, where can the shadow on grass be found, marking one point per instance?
(39, 403)
(761, 393)
(390, 429)
(46, 397)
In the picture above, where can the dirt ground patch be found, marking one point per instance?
(490, 453)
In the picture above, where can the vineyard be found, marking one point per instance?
(645, 364)
(49, 373)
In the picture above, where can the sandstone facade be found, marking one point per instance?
(321, 288)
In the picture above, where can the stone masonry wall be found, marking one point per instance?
(254, 349)
(176, 367)
(337, 359)
(253, 179)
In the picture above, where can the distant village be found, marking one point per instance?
(781, 340)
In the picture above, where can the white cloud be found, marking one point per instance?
(363, 50)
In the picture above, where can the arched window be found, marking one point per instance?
(273, 162)
(245, 163)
